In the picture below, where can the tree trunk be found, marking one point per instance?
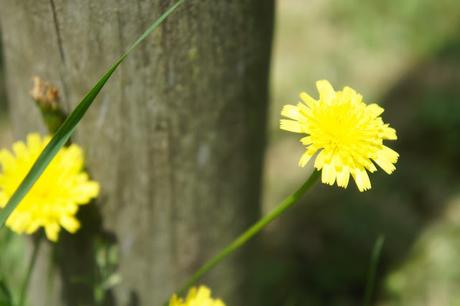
(176, 139)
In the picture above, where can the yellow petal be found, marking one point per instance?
(386, 158)
(175, 301)
(328, 174)
(326, 91)
(324, 157)
(32, 227)
(389, 133)
(290, 125)
(374, 110)
(369, 166)
(291, 112)
(343, 177)
(361, 179)
(307, 140)
(20, 149)
(3, 199)
(304, 159)
(307, 99)
(6, 158)
(350, 94)
(70, 224)
(34, 142)
(304, 112)
(52, 231)
(85, 191)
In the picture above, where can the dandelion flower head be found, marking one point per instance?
(344, 134)
(54, 199)
(200, 296)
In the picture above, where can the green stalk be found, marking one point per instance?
(251, 232)
(30, 269)
(375, 258)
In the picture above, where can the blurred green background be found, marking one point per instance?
(404, 55)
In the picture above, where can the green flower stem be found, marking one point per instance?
(252, 231)
(376, 254)
(33, 259)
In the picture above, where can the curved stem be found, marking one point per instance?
(30, 268)
(252, 231)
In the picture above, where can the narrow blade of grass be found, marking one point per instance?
(371, 278)
(6, 298)
(68, 126)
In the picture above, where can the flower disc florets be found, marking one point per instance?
(54, 199)
(345, 134)
(200, 296)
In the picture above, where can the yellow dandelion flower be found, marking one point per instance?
(54, 199)
(345, 134)
(200, 296)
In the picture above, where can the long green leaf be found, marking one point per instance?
(68, 126)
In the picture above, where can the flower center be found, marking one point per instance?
(338, 126)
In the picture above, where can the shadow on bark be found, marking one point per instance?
(87, 261)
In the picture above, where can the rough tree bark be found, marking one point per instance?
(176, 138)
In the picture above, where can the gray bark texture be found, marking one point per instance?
(176, 138)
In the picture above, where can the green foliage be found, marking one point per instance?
(430, 275)
(400, 22)
(107, 264)
(13, 263)
(6, 299)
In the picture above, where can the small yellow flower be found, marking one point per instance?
(54, 199)
(344, 133)
(200, 296)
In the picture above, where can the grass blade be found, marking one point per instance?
(375, 259)
(68, 126)
(6, 298)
